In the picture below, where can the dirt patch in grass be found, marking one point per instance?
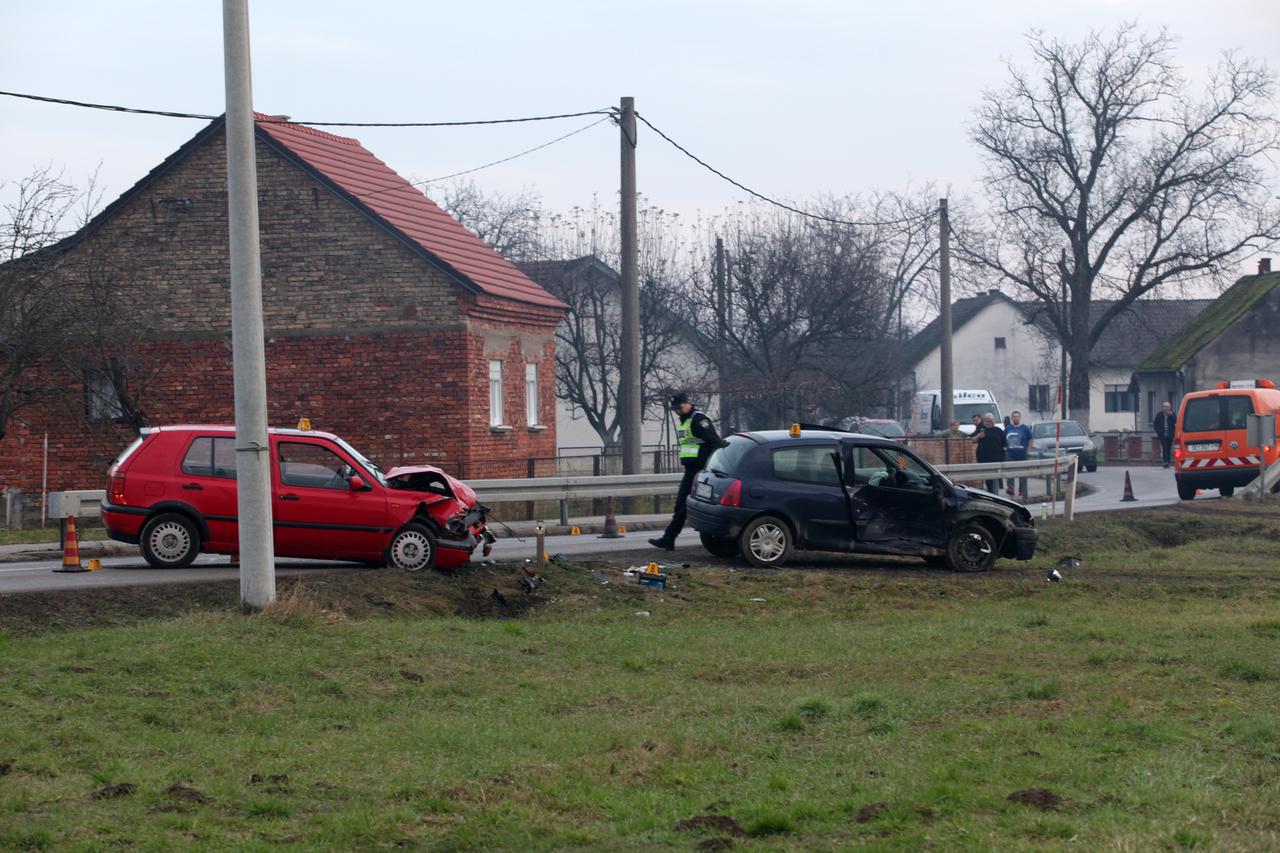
(711, 823)
(185, 794)
(115, 792)
(871, 811)
(1040, 798)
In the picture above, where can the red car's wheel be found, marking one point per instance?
(413, 548)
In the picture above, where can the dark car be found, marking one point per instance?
(874, 426)
(765, 494)
(1045, 442)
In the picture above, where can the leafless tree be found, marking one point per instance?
(32, 308)
(580, 266)
(512, 224)
(806, 297)
(1106, 174)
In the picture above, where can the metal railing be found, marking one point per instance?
(564, 489)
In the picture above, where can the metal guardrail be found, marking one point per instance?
(570, 488)
(85, 502)
(1261, 486)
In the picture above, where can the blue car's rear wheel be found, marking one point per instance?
(765, 542)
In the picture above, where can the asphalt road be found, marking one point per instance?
(1152, 487)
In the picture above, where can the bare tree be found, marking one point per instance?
(581, 259)
(805, 298)
(1106, 175)
(511, 224)
(32, 307)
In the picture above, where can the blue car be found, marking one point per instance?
(767, 494)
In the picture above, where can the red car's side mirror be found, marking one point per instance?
(356, 484)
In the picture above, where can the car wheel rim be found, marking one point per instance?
(974, 549)
(768, 542)
(170, 541)
(411, 551)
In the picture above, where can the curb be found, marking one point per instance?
(50, 550)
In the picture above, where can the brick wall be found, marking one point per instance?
(365, 336)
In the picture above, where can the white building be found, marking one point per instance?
(1007, 348)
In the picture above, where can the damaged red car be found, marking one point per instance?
(173, 492)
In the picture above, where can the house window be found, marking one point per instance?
(495, 393)
(1038, 398)
(531, 394)
(1000, 344)
(1120, 398)
(101, 399)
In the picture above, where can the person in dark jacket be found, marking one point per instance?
(990, 440)
(1165, 424)
(698, 440)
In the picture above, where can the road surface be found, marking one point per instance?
(1152, 486)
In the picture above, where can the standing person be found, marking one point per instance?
(977, 423)
(698, 440)
(953, 431)
(990, 440)
(1165, 424)
(1017, 441)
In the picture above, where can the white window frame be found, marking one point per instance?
(531, 394)
(495, 393)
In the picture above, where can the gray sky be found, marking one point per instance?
(795, 99)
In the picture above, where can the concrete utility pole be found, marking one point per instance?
(629, 392)
(944, 314)
(248, 352)
(720, 273)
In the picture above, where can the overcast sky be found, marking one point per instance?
(796, 99)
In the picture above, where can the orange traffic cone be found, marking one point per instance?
(610, 522)
(1128, 489)
(71, 550)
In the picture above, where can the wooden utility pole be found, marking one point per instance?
(944, 314)
(629, 392)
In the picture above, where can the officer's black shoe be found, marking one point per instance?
(664, 544)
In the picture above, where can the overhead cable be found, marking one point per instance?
(278, 120)
(833, 220)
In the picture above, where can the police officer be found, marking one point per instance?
(698, 440)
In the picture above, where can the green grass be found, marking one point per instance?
(1143, 693)
(38, 535)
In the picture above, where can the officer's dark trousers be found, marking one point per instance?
(1166, 449)
(682, 497)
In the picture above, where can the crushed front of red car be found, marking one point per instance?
(457, 515)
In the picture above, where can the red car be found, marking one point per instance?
(173, 492)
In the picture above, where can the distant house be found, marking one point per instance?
(1236, 336)
(386, 320)
(1009, 348)
(594, 288)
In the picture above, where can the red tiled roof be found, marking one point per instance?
(355, 170)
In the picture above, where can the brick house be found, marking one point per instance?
(387, 322)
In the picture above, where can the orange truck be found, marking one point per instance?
(1210, 444)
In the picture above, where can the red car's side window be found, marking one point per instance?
(312, 466)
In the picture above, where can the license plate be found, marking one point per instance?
(1203, 446)
(704, 490)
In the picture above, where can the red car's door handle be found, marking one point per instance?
(195, 487)
(290, 497)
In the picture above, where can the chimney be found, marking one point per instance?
(1264, 266)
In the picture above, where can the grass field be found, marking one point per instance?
(860, 704)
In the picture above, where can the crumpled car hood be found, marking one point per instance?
(993, 498)
(464, 493)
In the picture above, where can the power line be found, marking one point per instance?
(515, 156)
(174, 114)
(704, 164)
(547, 144)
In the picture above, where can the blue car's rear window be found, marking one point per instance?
(726, 459)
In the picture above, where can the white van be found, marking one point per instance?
(926, 416)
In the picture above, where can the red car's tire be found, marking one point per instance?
(413, 548)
